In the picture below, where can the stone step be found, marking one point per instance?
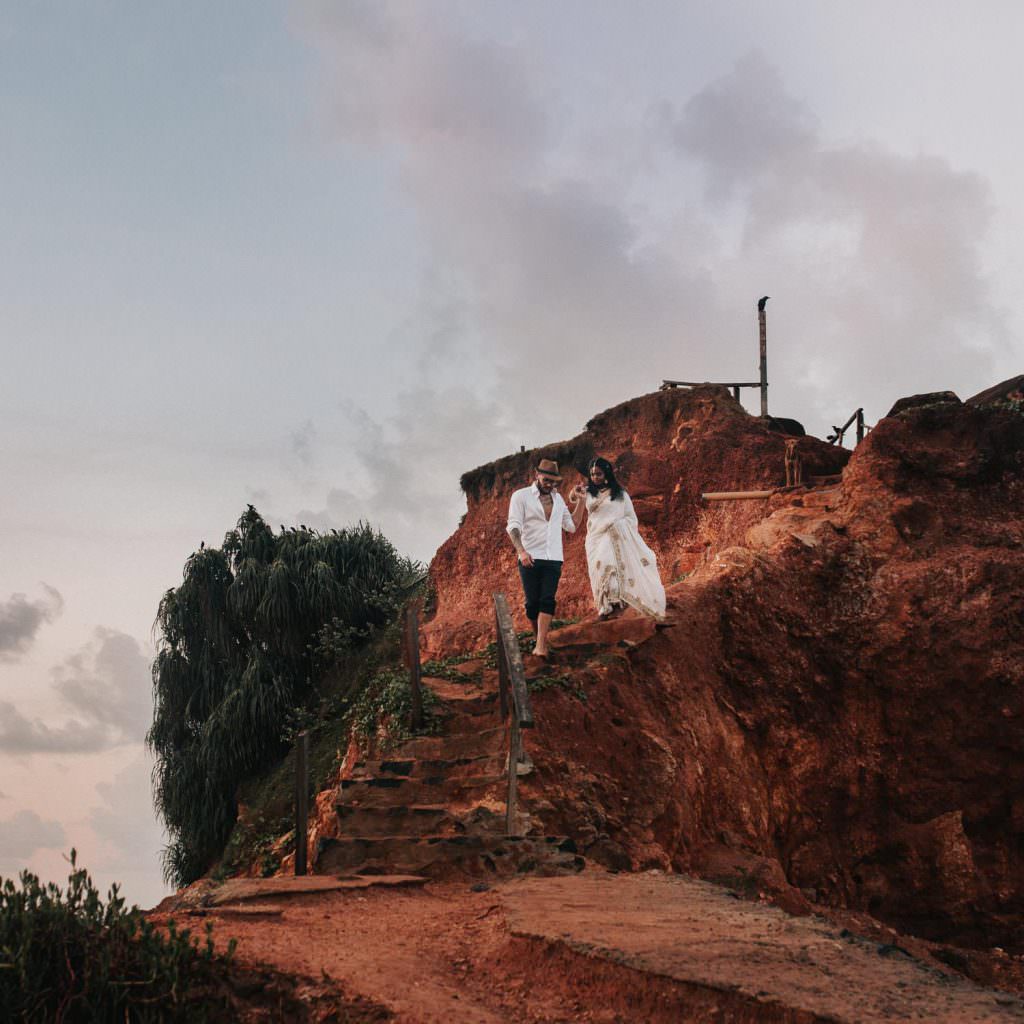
(428, 767)
(462, 695)
(440, 856)
(471, 709)
(395, 789)
(824, 498)
(398, 820)
(461, 744)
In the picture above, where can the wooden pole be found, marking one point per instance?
(517, 677)
(860, 425)
(412, 663)
(515, 747)
(503, 692)
(735, 495)
(763, 332)
(301, 801)
(514, 697)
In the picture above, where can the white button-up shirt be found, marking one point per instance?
(542, 537)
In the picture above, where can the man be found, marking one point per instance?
(537, 515)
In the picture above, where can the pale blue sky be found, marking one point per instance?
(326, 256)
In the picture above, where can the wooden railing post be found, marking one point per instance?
(411, 647)
(515, 749)
(514, 698)
(763, 366)
(840, 432)
(301, 801)
(503, 695)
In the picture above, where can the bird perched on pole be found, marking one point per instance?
(761, 301)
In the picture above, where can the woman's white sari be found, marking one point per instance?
(623, 569)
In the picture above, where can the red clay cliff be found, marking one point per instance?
(667, 448)
(834, 709)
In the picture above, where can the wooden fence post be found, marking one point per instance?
(412, 662)
(301, 801)
(515, 751)
(763, 341)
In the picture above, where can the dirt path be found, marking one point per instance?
(595, 947)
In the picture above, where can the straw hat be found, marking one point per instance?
(549, 468)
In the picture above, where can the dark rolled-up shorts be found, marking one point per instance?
(540, 581)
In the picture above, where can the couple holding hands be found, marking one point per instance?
(623, 569)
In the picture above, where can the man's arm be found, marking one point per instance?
(515, 529)
(630, 511)
(569, 522)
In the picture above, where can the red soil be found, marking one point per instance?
(593, 947)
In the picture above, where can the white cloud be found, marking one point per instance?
(105, 690)
(130, 836)
(25, 833)
(580, 287)
(880, 253)
(21, 619)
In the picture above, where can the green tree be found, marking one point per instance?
(238, 655)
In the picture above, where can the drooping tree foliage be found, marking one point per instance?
(237, 658)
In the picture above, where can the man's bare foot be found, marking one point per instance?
(540, 654)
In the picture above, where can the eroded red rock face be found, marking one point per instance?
(839, 697)
(667, 448)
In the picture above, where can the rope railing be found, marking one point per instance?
(514, 700)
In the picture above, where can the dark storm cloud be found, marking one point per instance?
(21, 619)
(104, 700)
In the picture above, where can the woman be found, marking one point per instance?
(623, 569)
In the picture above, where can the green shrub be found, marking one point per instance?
(65, 955)
(384, 707)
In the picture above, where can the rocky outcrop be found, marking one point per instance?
(835, 706)
(667, 447)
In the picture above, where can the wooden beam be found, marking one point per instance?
(735, 495)
(665, 384)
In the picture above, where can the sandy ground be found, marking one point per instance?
(592, 947)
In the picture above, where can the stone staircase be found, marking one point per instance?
(435, 805)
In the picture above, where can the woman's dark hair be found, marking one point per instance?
(609, 478)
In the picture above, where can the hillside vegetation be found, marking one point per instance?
(247, 642)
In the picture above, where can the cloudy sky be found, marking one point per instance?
(325, 256)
